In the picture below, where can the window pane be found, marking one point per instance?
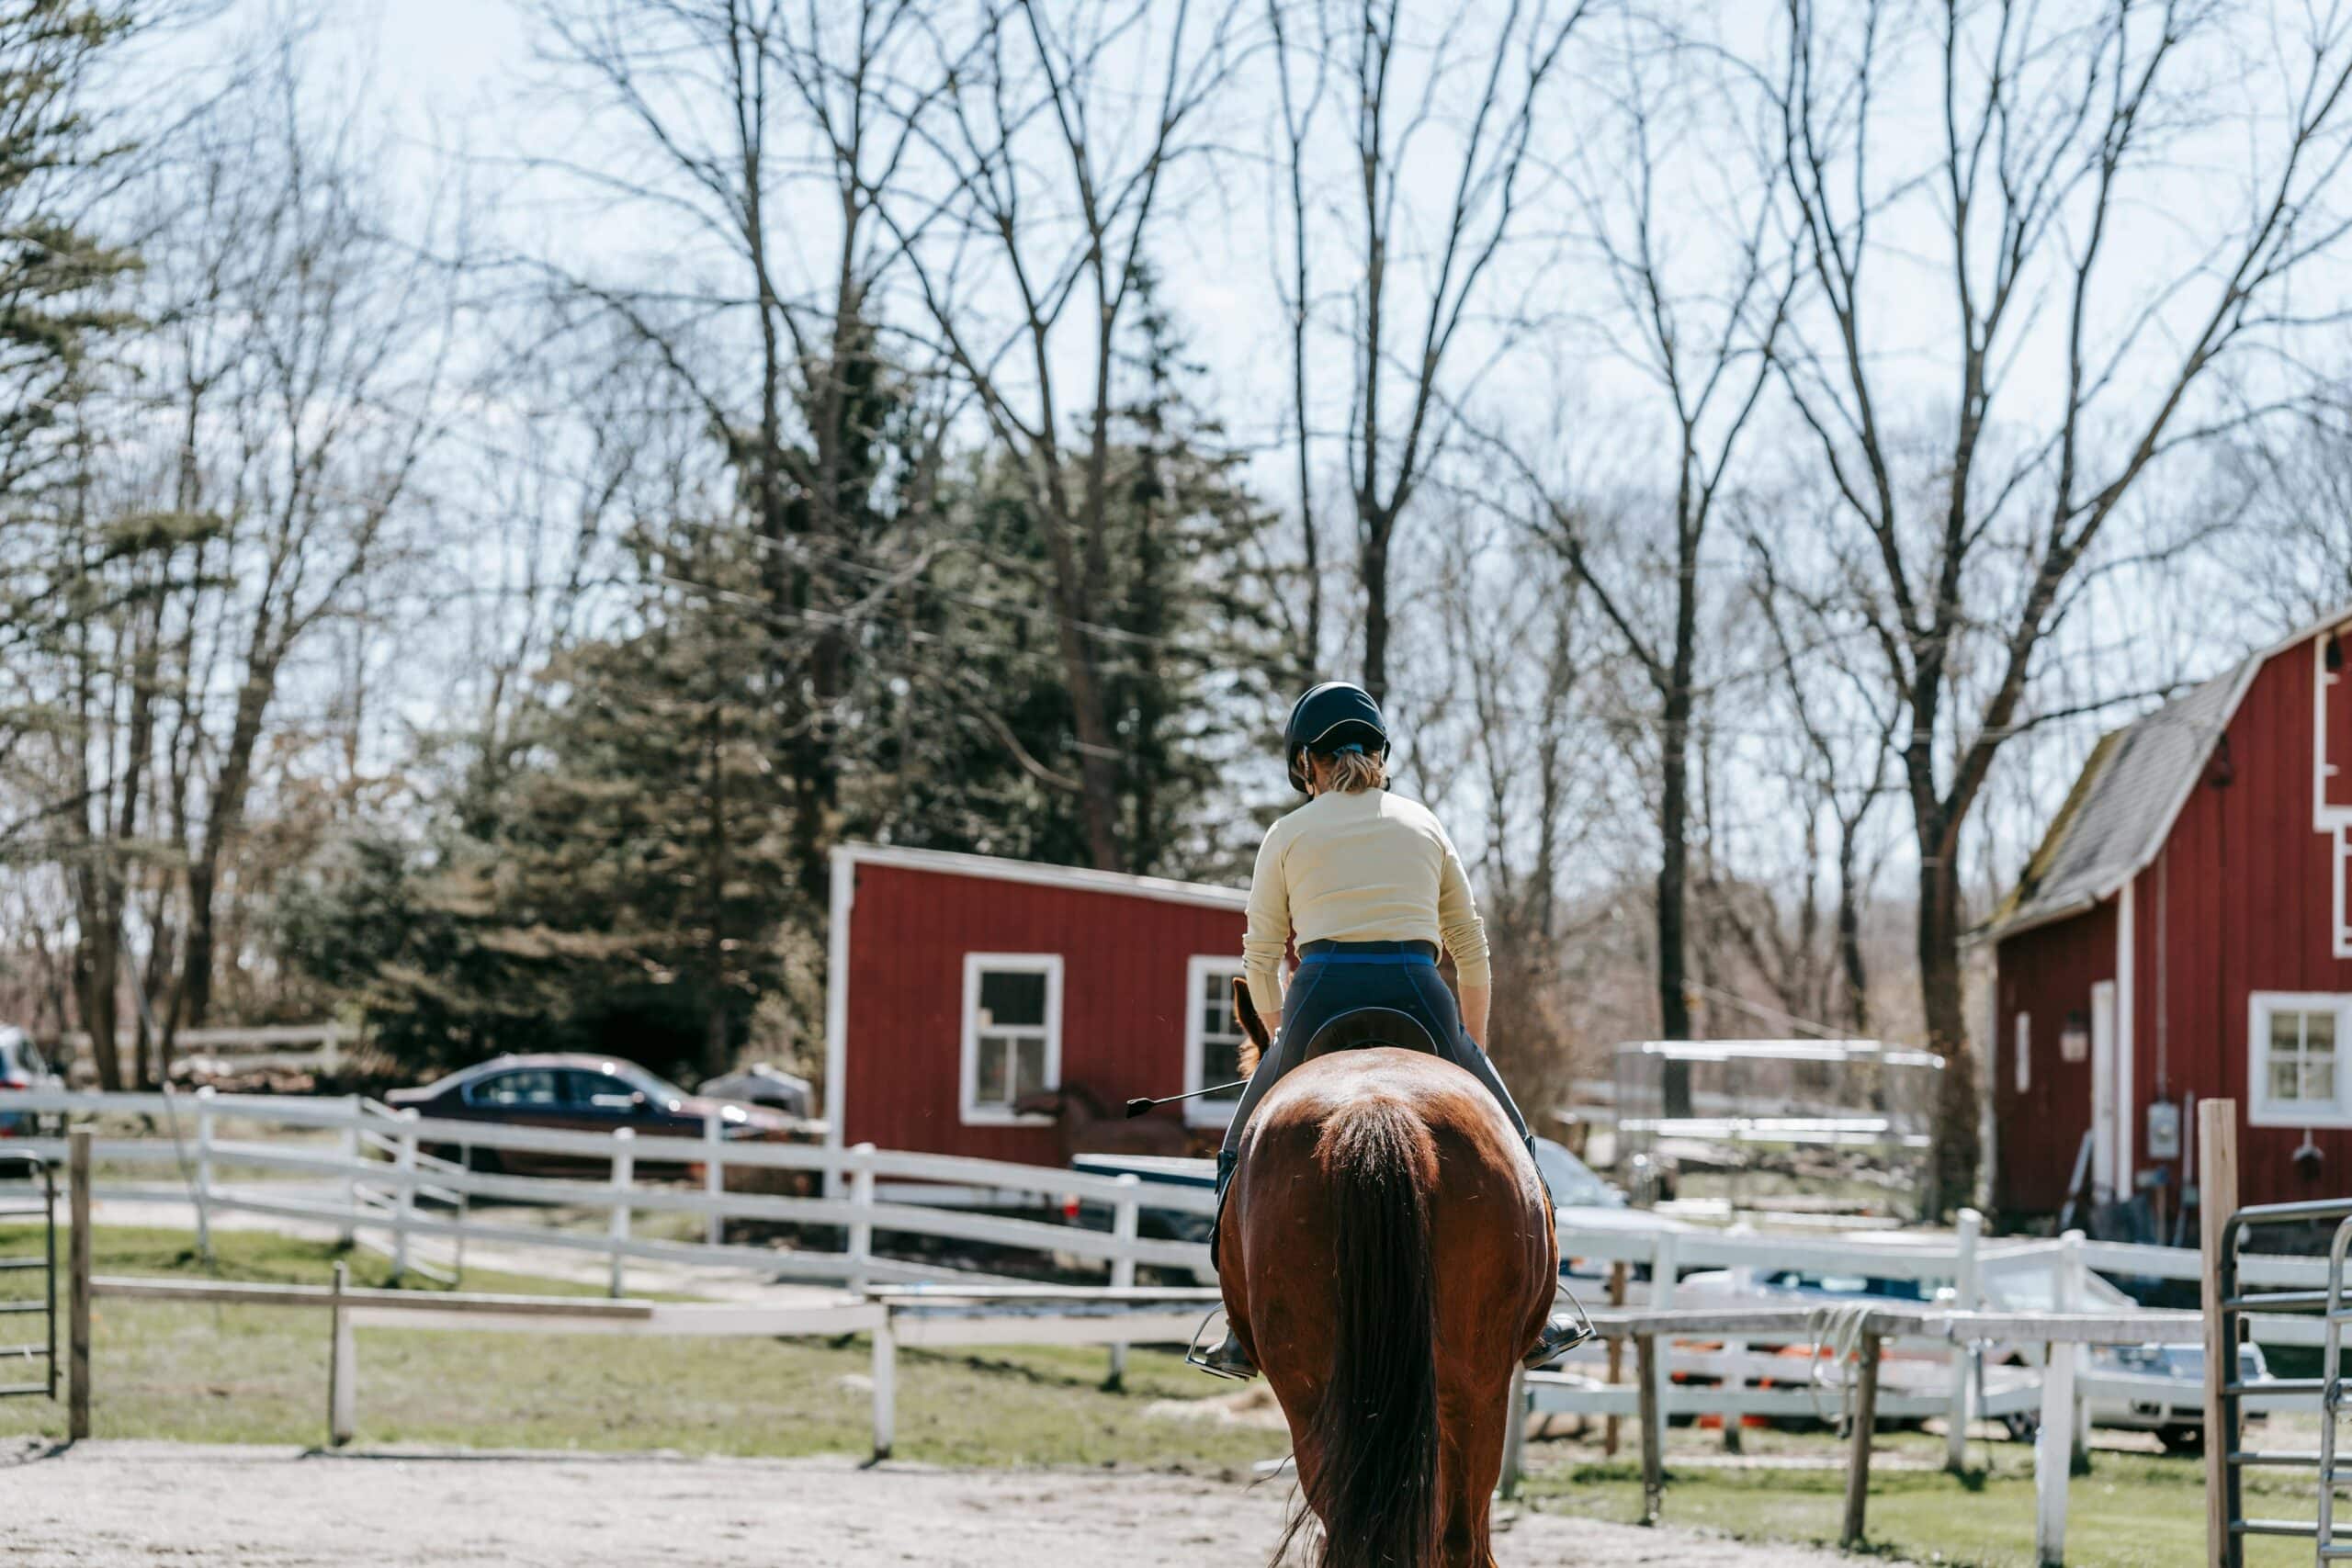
(1032, 1054)
(2319, 1078)
(2286, 1031)
(990, 1090)
(1214, 986)
(2282, 1079)
(532, 1087)
(1012, 997)
(1220, 1063)
(2319, 1032)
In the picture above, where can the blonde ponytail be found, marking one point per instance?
(1350, 772)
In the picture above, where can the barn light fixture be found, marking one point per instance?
(2307, 1159)
(2075, 1038)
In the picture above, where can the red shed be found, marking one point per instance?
(958, 983)
(2181, 934)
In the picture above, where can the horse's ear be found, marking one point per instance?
(1253, 1028)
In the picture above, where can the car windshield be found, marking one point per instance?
(654, 1089)
(1573, 1183)
(1848, 1285)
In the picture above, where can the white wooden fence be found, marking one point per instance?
(371, 1173)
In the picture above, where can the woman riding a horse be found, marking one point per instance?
(1370, 886)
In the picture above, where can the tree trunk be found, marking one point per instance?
(1378, 526)
(1673, 880)
(1953, 1155)
(221, 824)
(1856, 1007)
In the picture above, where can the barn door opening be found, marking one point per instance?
(2103, 1079)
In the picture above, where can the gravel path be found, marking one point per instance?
(123, 1503)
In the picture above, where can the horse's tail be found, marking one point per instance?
(1376, 1428)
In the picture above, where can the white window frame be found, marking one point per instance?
(2025, 1052)
(2262, 1110)
(1204, 1112)
(1049, 964)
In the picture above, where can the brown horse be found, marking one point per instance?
(1388, 1255)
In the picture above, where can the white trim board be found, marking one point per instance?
(2260, 1110)
(1075, 878)
(1197, 970)
(844, 899)
(967, 1106)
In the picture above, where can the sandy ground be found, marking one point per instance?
(123, 1502)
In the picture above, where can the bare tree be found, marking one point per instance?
(1057, 138)
(1967, 537)
(1702, 284)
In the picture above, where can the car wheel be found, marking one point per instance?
(2180, 1438)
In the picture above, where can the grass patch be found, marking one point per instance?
(2131, 1511)
(254, 1374)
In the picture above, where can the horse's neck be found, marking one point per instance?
(1080, 1108)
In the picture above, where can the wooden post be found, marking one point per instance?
(204, 1173)
(2217, 1200)
(2054, 1449)
(1857, 1459)
(1964, 1288)
(624, 1177)
(1124, 1220)
(77, 1363)
(1515, 1435)
(403, 1191)
(861, 1226)
(1617, 1274)
(343, 1364)
(2070, 1294)
(1734, 1381)
(349, 1147)
(714, 1174)
(1663, 1270)
(1652, 1413)
(885, 1389)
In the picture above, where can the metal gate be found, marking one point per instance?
(2325, 1392)
(29, 1190)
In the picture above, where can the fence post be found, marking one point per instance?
(204, 1172)
(1662, 1286)
(1123, 1216)
(343, 1364)
(2070, 1295)
(1617, 1273)
(885, 1387)
(624, 1177)
(403, 1191)
(1515, 1435)
(348, 1145)
(1650, 1401)
(861, 1225)
(2053, 1451)
(1857, 1459)
(714, 1174)
(2217, 1200)
(78, 1362)
(1965, 1286)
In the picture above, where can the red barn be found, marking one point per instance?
(957, 983)
(2182, 934)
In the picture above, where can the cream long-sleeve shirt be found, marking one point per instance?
(1366, 867)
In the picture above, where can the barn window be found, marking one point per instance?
(1211, 1040)
(2295, 1072)
(1013, 1032)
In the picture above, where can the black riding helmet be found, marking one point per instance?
(1333, 715)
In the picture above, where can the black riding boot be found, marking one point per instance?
(1228, 1360)
(1563, 1331)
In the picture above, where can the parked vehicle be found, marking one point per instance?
(762, 1084)
(22, 1067)
(577, 1093)
(2171, 1404)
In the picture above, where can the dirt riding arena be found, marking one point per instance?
(123, 1503)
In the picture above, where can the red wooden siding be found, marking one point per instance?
(2241, 899)
(2047, 973)
(1123, 995)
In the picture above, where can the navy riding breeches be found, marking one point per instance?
(1336, 978)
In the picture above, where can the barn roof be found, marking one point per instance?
(994, 868)
(2122, 804)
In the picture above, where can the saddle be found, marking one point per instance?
(1363, 1027)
